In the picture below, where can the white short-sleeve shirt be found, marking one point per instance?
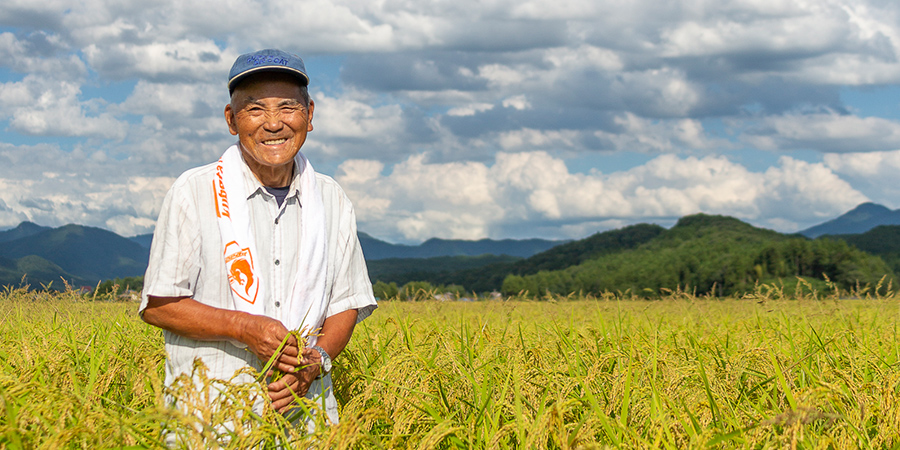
(186, 259)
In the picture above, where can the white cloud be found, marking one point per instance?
(527, 138)
(41, 106)
(519, 102)
(22, 56)
(418, 199)
(874, 173)
(470, 110)
(500, 76)
(806, 192)
(179, 100)
(349, 126)
(830, 132)
(183, 60)
(863, 165)
(73, 187)
(656, 136)
(743, 27)
(470, 200)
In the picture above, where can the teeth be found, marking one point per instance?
(274, 141)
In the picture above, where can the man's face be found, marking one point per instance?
(270, 118)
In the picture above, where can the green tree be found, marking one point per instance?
(417, 290)
(117, 286)
(385, 291)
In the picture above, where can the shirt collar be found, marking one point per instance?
(254, 187)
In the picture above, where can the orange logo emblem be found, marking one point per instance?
(241, 273)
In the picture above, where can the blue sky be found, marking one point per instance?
(464, 119)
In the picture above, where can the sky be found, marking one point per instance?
(466, 119)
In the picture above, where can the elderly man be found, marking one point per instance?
(257, 244)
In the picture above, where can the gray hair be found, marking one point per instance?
(304, 92)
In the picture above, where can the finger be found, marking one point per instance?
(282, 405)
(285, 397)
(279, 392)
(277, 386)
(286, 368)
(288, 381)
(290, 350)
(279, 396)
(289, 360)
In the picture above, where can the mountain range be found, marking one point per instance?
(858, 220)
(375, 249)
(83, 256)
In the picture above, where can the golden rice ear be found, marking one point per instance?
(772, 368)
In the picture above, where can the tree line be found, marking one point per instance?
(705, 254)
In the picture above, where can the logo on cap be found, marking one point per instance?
(266, 59)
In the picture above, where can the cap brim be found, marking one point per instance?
(288, 70)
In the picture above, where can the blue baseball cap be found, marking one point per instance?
(268, 60)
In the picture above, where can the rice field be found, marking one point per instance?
(764, 371)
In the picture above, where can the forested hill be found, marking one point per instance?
(37, 272)
(712, 254)
(77, 253)
(491, 276)
(883, 241)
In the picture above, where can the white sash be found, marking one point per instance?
(305, 308)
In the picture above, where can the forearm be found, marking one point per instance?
(187, 317)
(336, 332)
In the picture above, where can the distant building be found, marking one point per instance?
(130, 296)
(445, 297)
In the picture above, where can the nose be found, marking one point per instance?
(273, 121)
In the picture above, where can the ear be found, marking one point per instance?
(230, 119)
(312, 107)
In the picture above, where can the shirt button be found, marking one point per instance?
(277, 304)
(277, 262)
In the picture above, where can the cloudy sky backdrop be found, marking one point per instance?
(467, 119)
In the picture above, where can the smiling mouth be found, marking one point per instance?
(274, 141)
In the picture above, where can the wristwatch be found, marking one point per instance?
(326, 360)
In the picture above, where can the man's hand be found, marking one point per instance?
(263, 335)
(192, 319)
(334, 337)
(282, 392)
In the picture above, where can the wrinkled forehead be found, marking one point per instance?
(255, 81)
(269, 86)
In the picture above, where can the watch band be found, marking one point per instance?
(326, 361)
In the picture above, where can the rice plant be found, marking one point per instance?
(768, 370)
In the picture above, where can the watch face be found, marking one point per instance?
(326, 359)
